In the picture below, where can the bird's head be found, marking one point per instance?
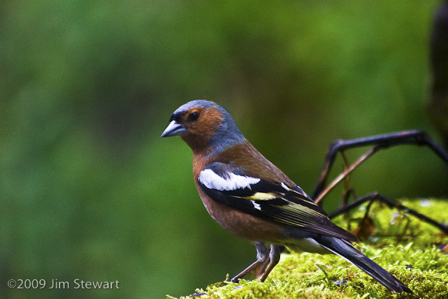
(204, 126)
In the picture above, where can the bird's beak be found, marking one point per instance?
(173, 129)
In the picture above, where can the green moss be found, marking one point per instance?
(403, 245)
(394, 226)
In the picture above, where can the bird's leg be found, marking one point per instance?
(378, 142)
(262, 268)
(262, 255)
(274, 256)
(259, 272)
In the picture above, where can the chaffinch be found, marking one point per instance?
(253, 199)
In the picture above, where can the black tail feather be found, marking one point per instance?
(347, 251)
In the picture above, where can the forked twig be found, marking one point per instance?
(377, 142)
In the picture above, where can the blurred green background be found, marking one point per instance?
(88, 189)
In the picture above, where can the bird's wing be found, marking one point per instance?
(277, 202)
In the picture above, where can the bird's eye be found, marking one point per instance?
(193, 116)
